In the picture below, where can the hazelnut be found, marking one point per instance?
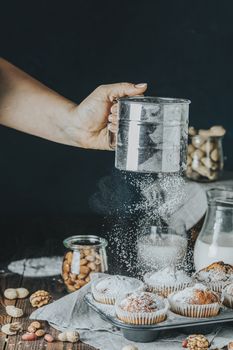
(217, 130)
(40, 333)
(84, 270)
(191, 148)
(31, 329)
(198, 154)
(66, 267)
(215, 156)
(205, 133)
(207, 146)
(83, 262)
(192, 131)
(197, 141)
(207, 162)
(69, 257)
(90, 258)
(92, 266)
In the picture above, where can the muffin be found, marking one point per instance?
(197, 301)
(167, 281)
(105, 290)
(141, 308)
(228, 295)
(215, 276)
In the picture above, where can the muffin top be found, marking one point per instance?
(196, 295)
(216, 272)
(167, 276)
(141, 302)
(117, 284)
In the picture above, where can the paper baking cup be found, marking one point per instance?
(196, 311)
(227, 299)
(214, 286)
(142, 318)
(110, 298)
(165, 289)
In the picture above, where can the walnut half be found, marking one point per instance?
(40, 298)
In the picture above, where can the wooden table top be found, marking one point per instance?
(52, 285)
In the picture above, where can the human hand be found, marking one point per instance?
(97, 114)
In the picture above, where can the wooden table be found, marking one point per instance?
(52, 285)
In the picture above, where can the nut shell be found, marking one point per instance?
(13, 311)
(22, 292)
(6, 329)
(10, 293)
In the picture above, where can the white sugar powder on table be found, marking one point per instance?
(37, 267)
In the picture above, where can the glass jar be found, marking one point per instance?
(205, 158)
(162, 247)
(215, 241)
(86, 254)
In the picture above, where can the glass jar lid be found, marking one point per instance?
(83, 241)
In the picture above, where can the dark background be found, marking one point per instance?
(180, 48)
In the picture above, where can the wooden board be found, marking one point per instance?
(52, 285)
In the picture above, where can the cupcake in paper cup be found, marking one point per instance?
(105, 290)
(216, 276)
(141, 308)
(197, 301)
(167, 281)
(227, 295)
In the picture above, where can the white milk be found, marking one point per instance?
(208, 251)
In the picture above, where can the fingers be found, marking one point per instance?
(113, 118)
(114, 108)
(114, 91)
(112, 127)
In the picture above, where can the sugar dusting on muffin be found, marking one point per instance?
(139, 302)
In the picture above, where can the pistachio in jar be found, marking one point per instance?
(86, 255)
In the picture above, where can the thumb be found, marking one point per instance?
(114, 91)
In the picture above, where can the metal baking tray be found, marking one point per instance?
(148, 333)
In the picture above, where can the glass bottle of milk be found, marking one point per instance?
(215, 241)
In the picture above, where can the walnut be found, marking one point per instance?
(197, 342)
(40, 298)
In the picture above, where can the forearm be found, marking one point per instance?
(29, 106)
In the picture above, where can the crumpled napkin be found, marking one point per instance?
(71, 312)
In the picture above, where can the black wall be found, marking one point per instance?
(180, 48)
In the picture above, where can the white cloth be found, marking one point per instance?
(71, 312)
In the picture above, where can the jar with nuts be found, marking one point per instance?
(205, 154)
(86, 254)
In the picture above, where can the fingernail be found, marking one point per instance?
(141, 85)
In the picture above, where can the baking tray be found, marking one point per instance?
(148, 333)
